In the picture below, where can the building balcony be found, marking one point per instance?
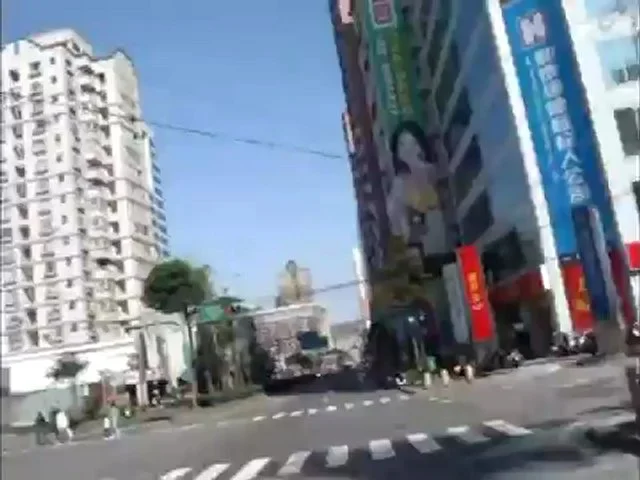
(98, 176)
(96, 157)
(106, 272)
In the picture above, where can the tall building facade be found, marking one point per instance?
(82, 208)
(358, 132)
(450, 128)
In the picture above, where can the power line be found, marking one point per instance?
(264, 144)
(201, 132)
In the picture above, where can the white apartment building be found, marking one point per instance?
(474, 108)
(82, 210)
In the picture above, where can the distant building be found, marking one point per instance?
(294, 285)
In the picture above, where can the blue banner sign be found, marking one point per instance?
(558, 118)
(595, 262)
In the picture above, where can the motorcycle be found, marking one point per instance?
(587, 343)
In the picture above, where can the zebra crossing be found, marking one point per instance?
(341, 456)
(346, 406)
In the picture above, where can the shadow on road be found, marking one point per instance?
(345, 381)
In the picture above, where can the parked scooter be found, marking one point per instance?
(587, 343)
(576, 344)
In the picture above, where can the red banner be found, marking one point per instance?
(475, 289)
(620, 273)
(577, 296)
(633, 249)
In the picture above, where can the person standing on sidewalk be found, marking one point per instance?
(62, 425)
(114, 416)
(41, 429)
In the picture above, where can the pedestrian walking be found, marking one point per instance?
(62, 425)
(41, 427)
(114, 416)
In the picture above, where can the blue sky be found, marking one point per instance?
(256, 68)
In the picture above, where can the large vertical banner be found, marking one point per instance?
(475, 290)
(577, 296)
(564, 140)
(411, 174)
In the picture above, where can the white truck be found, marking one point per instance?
(296, 337)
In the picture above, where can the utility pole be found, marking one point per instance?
(142, 330)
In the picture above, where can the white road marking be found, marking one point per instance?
(367, 403)
(251, 469)
(213, 471)
(422, 443)
(190, 426)
(332, 408)
(404, 397)
(381, 449)
(337, 456)
(176, 474)
(279, 415)
(507, 428)
(433, 399)
(259, 418)
(384, 400)
(445, 400)
(297, 413)
(312, 411)
(464, 433)
(348, 406)
(294, 463)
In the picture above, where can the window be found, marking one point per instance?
(42, 187)
(46, 227)
(628, 121)
(636, 193)
(52, 60)
(602, 8)
(50, 269)
(14, 75)
(478, 219)
(64, 219)
(72, 305)
(467, 171)
(620, 60)
(41, 166)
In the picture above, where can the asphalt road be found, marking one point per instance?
(527, 424)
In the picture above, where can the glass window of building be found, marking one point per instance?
(620, 60)
(602, 8)
(478, 219)
(628, 121)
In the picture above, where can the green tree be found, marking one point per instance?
(175, 286)
(401, 281)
